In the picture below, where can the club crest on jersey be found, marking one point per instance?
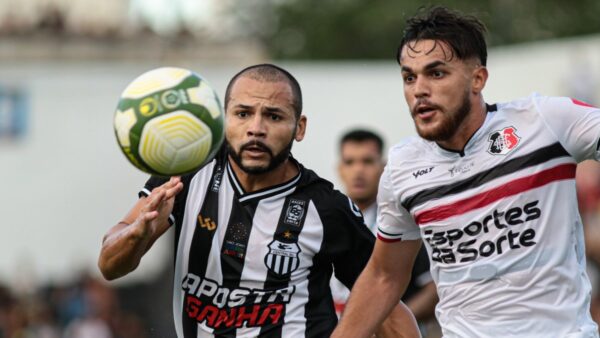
(282, 258)
(503, 141)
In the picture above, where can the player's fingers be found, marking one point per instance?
(171, 182)
(141, 226)
(156, 197)
(174, 190)
(150, 215)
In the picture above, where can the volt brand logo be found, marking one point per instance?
(464, 244)
(503, 141)
(422, 172)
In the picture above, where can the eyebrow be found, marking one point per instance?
(267, 109)
(429, 66)
(273, 110)
(243, 106)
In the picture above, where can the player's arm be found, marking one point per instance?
(399, 323)
(422, 304)
(125, 243)
(378, 290)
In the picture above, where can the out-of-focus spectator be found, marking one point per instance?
(588, 195)
(86, 308)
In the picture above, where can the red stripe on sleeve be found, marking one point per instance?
(388, 240)
(581, 103)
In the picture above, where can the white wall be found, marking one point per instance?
(67, 181)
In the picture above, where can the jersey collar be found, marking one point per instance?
(472, 141)
(266, 192)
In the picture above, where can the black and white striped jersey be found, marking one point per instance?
(258, 264)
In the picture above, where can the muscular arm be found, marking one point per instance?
(399, 323)
(422, 304)
(125, 244)
(378, 290)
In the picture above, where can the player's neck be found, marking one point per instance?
(467, 128)
(254, 182)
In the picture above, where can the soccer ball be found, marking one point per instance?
(169, 122)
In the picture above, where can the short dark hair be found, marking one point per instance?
(465, 34)
(270, 73)
(362, 135)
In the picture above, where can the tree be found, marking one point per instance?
(361, 29)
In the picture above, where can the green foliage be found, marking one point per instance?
(360, 29)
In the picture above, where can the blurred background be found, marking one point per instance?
(64, 63)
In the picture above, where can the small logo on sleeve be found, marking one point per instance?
(503, 141)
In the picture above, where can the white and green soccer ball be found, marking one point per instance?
(169, 121)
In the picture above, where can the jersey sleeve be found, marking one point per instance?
(179, 204)
(348, 240)
(575, 124)
(151, 183)
(394, 222)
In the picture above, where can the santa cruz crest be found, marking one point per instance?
(503, 141)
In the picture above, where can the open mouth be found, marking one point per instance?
(255, 149)
(425, 111)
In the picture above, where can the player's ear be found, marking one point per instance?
(480, 76)
(300, 128)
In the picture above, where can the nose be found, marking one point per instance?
(256, 127)
(421, 87)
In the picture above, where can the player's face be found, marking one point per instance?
(360, 168)
(260, 124)
(437, 88)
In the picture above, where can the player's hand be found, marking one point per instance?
(153, 218)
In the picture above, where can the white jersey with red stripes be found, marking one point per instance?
(500, 220)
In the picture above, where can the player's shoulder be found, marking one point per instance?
(410, 148)
(328, 201)
(537, 103)
(339, 210)
(318, 189)
(519, 105)
(407, 146)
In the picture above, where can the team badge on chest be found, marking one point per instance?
(503, 141)
(282, 258)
